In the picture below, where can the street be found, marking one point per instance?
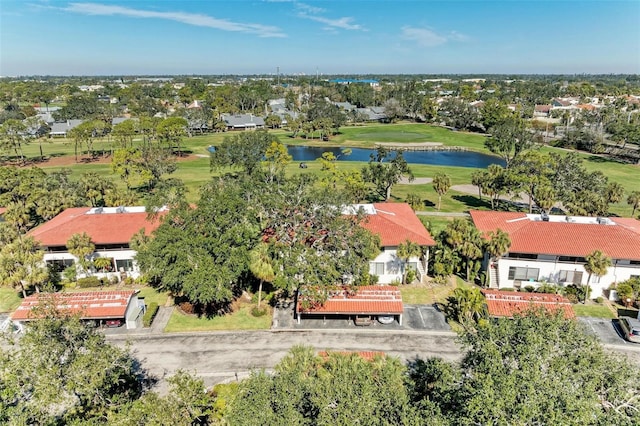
(219, 356)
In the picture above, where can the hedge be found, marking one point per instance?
(148, 317)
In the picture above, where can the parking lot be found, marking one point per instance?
(415, 317)
(607, 330)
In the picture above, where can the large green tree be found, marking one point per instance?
(385, 170)
(22, 266)
(336, 389)
(63, 372)
(244, 150)
(441, 184)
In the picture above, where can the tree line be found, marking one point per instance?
(536, 369)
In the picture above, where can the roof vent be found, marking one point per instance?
(545, 217)
(121, 209)
(98, 210)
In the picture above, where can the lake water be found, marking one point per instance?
(440, 158)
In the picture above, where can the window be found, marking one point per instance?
(523, 274)
(595, 279)
(124, 265)
(412, 266)
(376, 268)
(59, 265)
(570, 277)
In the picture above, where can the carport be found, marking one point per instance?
(353, 303)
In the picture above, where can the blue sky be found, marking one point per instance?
(351, 37)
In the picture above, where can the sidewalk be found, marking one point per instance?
(161, 319)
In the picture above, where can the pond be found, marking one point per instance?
(439, 158)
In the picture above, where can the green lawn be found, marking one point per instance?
(9, 299)
(239, 320)
(598, 311)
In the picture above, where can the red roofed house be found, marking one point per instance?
(395, 223)
(506, 304)
(110, 229)
(553, 248)
(365, 301)
(117, 307)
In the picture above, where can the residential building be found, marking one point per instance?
(61, 129)
(506, 304)
(553, 248)
(243, 121)
(111, 308)
(110, 229)
(395, 223)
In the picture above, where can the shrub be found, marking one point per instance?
(88, 282)
(148, 317)
(70, 274)
(113, 279)
(395, 283)
(258, 312)
(507, 289)
(411, 276)
(529, 288)
(440, 280)
(187, 307)
(599, 300)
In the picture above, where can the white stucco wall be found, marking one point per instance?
(392, 265)
(550, 271)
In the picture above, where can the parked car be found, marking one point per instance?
(630, 328)
(113, 323)
(386, 319)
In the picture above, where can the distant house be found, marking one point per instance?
(243, 121)
(61, 129)
(110, 229)
(541, 110)
(395, 223)
(370, 82)
(373, 113)
(506, 304)
(553, 248)
(353, 303)
(111, 308)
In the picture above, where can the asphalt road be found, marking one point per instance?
(218, 357)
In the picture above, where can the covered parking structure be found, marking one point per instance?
(360, 304)
(102, 308)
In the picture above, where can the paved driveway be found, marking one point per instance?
(607, 330)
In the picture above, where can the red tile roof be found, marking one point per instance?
(395, 223)
(542, 108)
(509, 303)
(619, 240)
(89, 304)
(2, 210)
(368, 300)
(104, 228)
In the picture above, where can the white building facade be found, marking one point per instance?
(553, 248)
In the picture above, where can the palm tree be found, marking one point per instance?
(441, 184)
(465, 304)
(260, 265)
(597, 264)
(80, 246)
(498, 244)
(21, 265)
(405, 251)
(634, 201)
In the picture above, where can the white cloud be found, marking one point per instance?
(199, 20)
(344, 23)
(429, 38)
(308, 8)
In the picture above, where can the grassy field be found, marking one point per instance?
(238, 320)
(597, 311)
(195, 171)
(9, 299)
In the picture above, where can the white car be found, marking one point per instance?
(386, 319)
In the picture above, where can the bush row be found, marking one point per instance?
(148, 317)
